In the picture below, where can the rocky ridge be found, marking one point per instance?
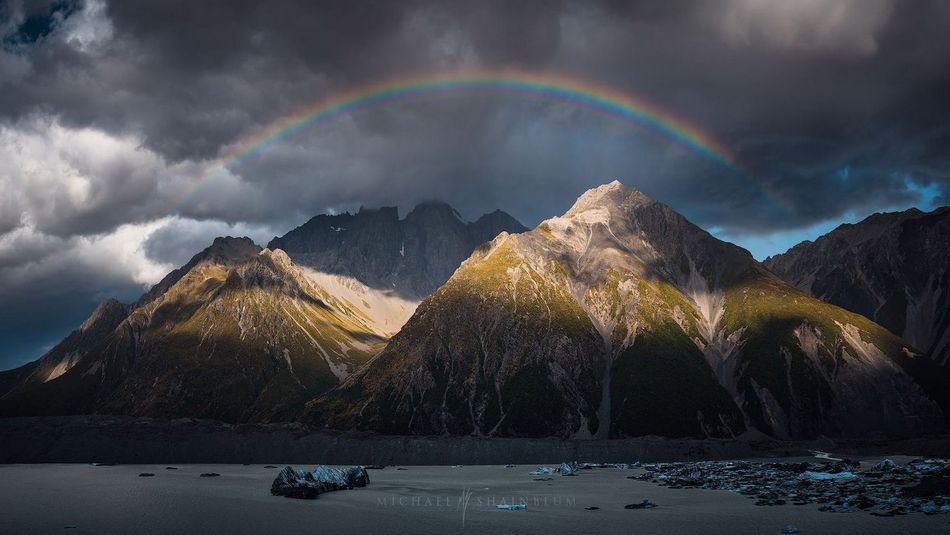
(621, 318)
(891, 267)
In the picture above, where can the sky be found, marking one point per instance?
(111, 111)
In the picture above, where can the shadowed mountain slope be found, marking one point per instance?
(893, 268)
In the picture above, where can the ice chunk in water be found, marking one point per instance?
(567, 469)
(825, 476)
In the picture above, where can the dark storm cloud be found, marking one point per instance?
(110, 111)
(859, 84)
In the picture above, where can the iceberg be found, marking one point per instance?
(826, 476)
(886, 465)
(301, 484)
(542, 471)
(332, 479)
(567, 469)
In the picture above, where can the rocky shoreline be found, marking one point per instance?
(838, 485)
(122, 439)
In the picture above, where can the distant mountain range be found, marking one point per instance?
(619, 318)
(893, 268)
(411, 256)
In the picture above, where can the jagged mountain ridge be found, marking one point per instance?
(411, 257)
(891, 267)
(238, 334)
(622, 318)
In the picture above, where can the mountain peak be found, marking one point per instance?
(434, 209)
(110, 310)
(610, 195)
(225, 251)
(228, 250)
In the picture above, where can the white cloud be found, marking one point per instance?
(30, 259)
(178, 239)
(68, 181)
(74, 180)
(849, 26)
(90, 29)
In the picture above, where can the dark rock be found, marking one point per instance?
(929, 486)
(593, 508)
(210, 474)
(645, 504)
(146, 474)
(920, 486)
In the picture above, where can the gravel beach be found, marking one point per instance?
(84, 498)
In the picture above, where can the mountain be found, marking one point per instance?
(893, 268)
(621, 318)
(237, 334)
(66, 354)
(411, 257)
(245, 334)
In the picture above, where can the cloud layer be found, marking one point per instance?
(112, 112)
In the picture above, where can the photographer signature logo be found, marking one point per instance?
(467, 501)
(463, 503)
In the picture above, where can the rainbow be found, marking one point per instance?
(584, 94)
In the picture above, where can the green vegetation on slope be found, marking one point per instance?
(661, 385)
